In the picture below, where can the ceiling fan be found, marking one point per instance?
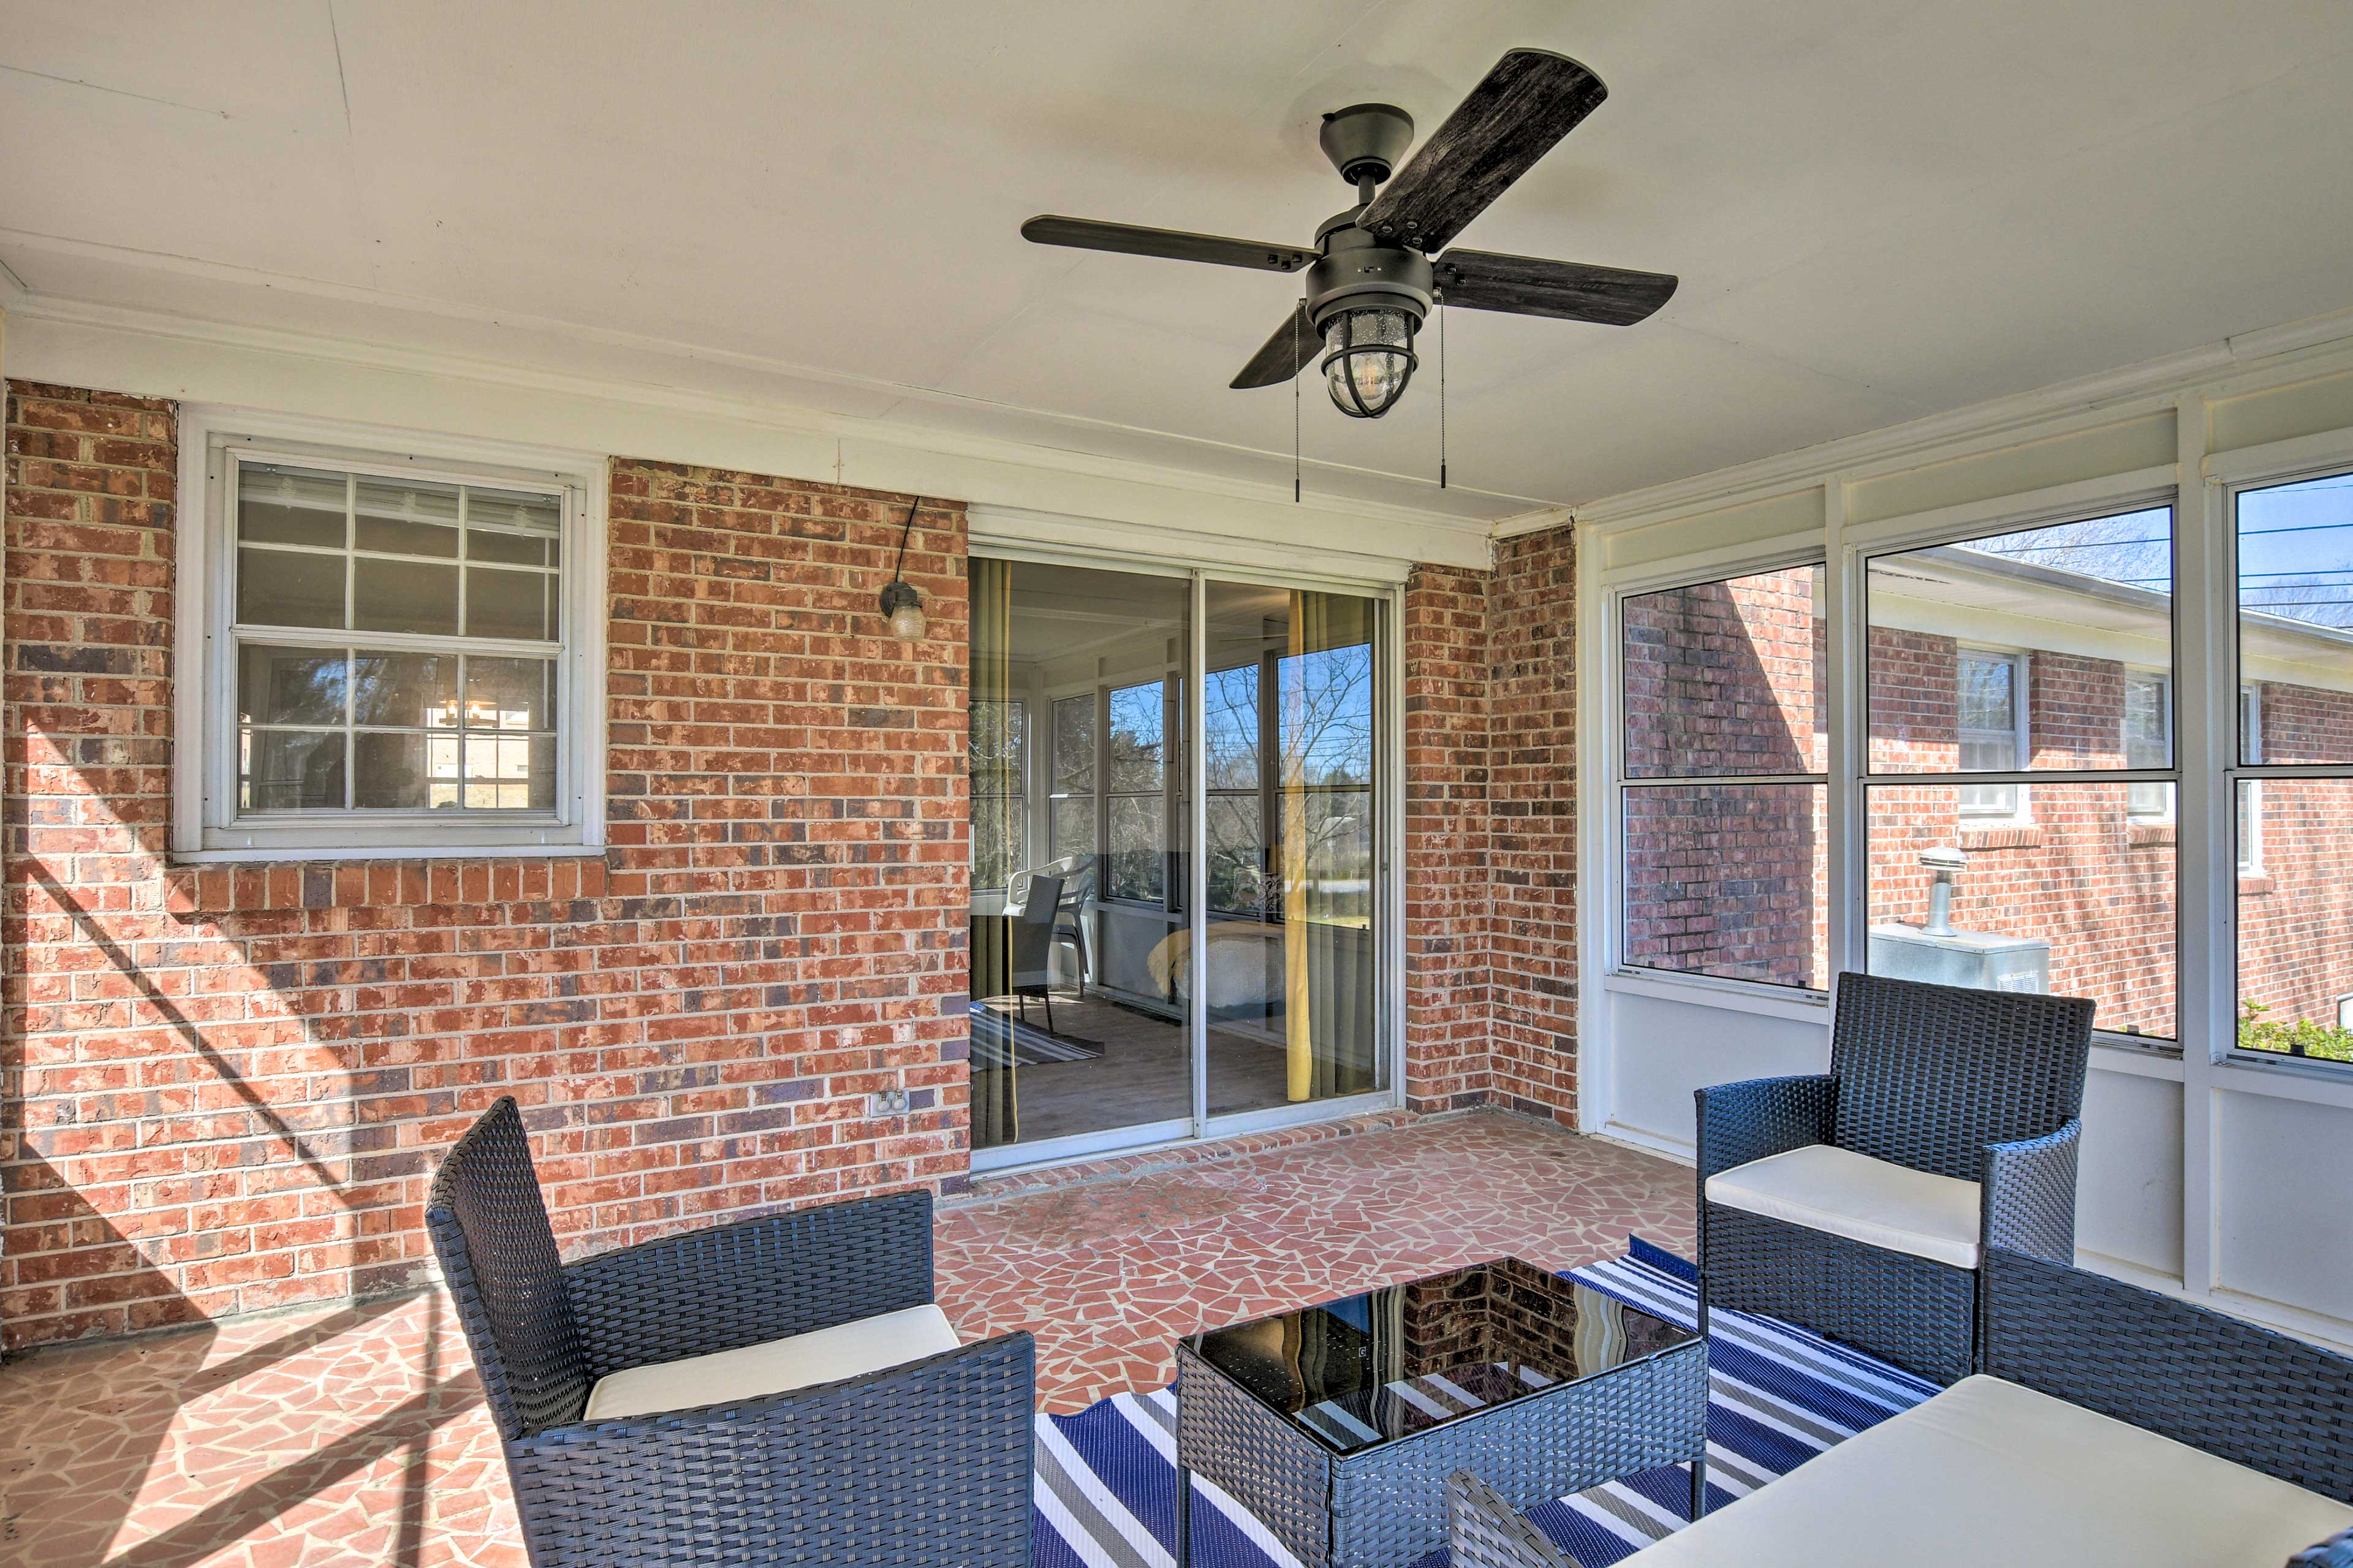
(1373, 271)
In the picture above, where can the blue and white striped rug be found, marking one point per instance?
(1777, 1396)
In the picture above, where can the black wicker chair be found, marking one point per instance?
(2252, 1396)
(927, 1461)
(1969, 1087)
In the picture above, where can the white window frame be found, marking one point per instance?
(1854, 546)
(2164, 680)
(1607, 716)
(205, 825)
(2230, 477)
(2019, 812)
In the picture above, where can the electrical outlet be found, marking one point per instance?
(887, 1102)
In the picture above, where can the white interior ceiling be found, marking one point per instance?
(1878, 208)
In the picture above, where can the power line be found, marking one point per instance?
(2136, 544)
(2313, 578)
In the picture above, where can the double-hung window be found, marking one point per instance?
(2149, 742)
(1990, 703)
(391, 658)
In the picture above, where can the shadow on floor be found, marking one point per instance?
(112, 1441)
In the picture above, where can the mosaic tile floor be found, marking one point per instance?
(356, 1437)
(1108, 1274)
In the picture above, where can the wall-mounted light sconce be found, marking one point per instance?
(903, 606)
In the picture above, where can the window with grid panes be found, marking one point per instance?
(390, 654)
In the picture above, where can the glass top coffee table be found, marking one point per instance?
(1337, 1424)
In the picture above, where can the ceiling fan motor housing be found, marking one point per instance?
(1366, 300)
(1358, 272)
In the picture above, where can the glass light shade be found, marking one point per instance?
(904, 607)
(1367, 360)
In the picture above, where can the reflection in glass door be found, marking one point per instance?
(1291, 732)
(1081, 1013)
(1107, 1010)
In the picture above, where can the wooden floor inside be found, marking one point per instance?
(1142, 1075)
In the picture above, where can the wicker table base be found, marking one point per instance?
(1382, 1504)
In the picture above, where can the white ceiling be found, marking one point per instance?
(1879, 209)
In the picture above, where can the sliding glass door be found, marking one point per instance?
(1121, 992)
(1081, 1019)
(1292, 748)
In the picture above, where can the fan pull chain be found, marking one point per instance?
(1441, 392)
(1294, 408)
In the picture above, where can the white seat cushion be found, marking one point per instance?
(1991, 1473)
(822, 1355)
(1860, 1198)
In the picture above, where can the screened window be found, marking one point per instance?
(390, 660)
(1722, 794)
(1991, 664)
(2293, 781)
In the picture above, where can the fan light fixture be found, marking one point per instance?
(903, 606)
(1375, 271)
(1367, 359)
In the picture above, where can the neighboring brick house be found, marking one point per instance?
(226, 1084)
(1724, 678)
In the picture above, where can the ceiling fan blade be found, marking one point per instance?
(1529, 101)
(1129, 239)
(1285, 354)
(1566, 291)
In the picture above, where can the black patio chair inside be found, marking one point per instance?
(1029, 937)
(776, 1390)
(1858, 1202)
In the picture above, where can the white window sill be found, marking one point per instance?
(283, 854)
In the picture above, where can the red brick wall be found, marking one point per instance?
(1532, 796)
(226, 1084)
(1447, 896)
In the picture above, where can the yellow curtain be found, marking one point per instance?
(996, 1107)
(1328, 1032)
(1298, 993)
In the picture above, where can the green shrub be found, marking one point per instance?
(2296, 1037)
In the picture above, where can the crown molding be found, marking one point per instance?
(56, 310)
(1026, 529)
(666, 379)
(2315, 345)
